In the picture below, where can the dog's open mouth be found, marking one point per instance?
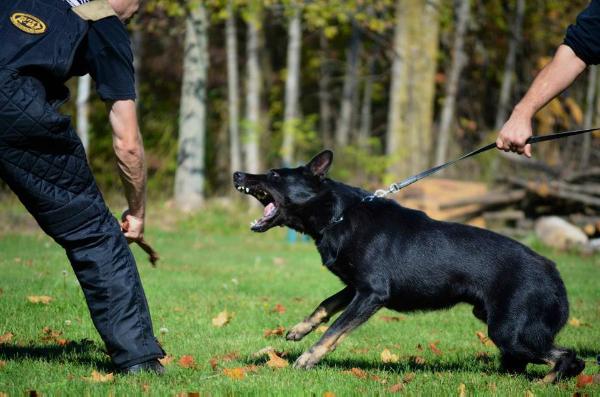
(270, 211)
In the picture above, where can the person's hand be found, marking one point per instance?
(132, 227)
(514, 134)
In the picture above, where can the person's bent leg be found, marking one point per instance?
(43, 161)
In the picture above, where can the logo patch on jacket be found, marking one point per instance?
(28, 23)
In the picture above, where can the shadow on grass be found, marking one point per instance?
(83, 352)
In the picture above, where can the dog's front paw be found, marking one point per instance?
(299, 331)
(306, 361)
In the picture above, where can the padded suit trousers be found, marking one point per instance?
(43, 161)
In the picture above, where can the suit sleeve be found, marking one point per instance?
(584, 36)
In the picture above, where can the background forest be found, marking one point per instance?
(392, 86)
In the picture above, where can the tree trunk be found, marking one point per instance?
(233, 92)
(325, 113)
(364, 132)
(190, 174)
(509, 65)
(292, 86)
(83, 110)
(253, 90)
(459, 59)
(590, 107)
(345, 121)
(413, 87)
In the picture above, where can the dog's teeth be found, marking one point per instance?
(254, 222)
(247, 190)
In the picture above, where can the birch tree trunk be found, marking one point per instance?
(325, 113)
(292, 86)
(345, 121)
(364, 132)
(190, 174)
(233, 92)
(253, 90)
(459, 59)
(509, 65)
(83, 110)
(589, 114)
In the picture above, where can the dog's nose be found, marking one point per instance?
(237, 176)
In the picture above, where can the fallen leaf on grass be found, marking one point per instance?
(188, 394)
(222, 319)
(576, 322)
(359, 373)
(275, 361)
(389, 319)
(484, 339)
(43, 299)
(419, 360)
(166, 360)
(239, 373)
(145, 388)
(396, 388)
(409, 377)
(388, 357)
(278, 261)
(98, 377)
(7, 337)
(186, 361)
(435, 349)
(329, 394)
(585, 380)
(3, 394)
(2, 364)
(279, 308)
(462, 390)
(214, 361)
(274, 332)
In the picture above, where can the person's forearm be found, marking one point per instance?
(129, 149)
(551, 81)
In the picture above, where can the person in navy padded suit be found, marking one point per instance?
(580, 48)
(44, 43)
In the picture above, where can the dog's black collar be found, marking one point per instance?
(337, 219)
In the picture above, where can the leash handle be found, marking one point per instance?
(394, 187)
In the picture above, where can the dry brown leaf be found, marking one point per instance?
(389, 319)
(462, 390)
(234, 373)
(7, 337)
(435, 349)
(43, 299)
(222, 319)
(584, 380)
(145, 388)
(419, 360)
(484, 339)
(396, 388)
(278, 261)
(2, 364)
(388, 357)
(359, 373)
(3, 394)
(329, 394)
(409, 377)
(100, 377)
(275, 361)
(274, 332)
(166, 360)
(279, 308)
(186, 361)
(193, 394)
(214, 361)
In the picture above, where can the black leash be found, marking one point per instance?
(409, 181)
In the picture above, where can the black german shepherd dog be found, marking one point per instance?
(399, 258)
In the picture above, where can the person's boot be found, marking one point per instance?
(152, 366)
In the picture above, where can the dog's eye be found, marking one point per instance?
(273, 175)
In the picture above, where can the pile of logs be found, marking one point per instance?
(515, 203)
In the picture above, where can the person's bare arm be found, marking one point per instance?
(554, 78)
(129, 149)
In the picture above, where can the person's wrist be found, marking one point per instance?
(523, 112)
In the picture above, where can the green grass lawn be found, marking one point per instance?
(212, 262)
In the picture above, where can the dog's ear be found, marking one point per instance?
(320, 164)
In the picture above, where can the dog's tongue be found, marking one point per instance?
(269, 210)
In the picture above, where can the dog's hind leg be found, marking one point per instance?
(321, 314)
(360, 309)
(565, 364)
